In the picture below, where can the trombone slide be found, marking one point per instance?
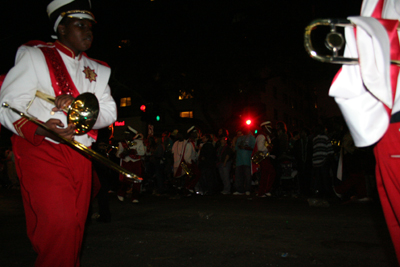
(334, 41)
(80, 147)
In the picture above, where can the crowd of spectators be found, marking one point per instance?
(306, 163)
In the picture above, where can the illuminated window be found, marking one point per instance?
(125, 102)
(186, 114)
(185, 95)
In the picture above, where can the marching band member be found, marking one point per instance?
(131, 152)
(267, 170)
(190, 157)
(178, 148)
(369, 100)
(55, 179)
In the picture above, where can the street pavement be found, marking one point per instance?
(217, 230)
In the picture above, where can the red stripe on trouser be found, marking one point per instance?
(388, 180)
(55, 187)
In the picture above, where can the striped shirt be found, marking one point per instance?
(322, 147)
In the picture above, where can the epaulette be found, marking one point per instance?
(38, 42)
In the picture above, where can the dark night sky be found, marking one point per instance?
(190, 35)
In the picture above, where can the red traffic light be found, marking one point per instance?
(143, 108)
(248, 122)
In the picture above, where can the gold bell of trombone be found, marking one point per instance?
(82, 112)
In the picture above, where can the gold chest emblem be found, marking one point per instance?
(90, 74)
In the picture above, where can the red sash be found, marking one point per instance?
(59, 75)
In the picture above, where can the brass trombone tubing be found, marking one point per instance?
(335, 59)
(82, 148)
(48, 98)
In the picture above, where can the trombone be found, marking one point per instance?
(82, 112)
(80, 103)
(334, 41)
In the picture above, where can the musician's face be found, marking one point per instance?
(76, 34)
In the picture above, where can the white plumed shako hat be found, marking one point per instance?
(267, 125)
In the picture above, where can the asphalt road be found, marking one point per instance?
(217, 230)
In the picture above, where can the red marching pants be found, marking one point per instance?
(136, 168)
(190, 183)
(387, 154)
(267, 177)
(55, 187)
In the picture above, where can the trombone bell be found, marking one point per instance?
(82, 112)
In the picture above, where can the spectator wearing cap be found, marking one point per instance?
(131, 151)
(55, 178)
(267, 171)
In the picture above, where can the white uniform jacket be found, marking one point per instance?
(137, 145)
(190, 155)
(260, 143)
(362, 91)
(31, 73)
